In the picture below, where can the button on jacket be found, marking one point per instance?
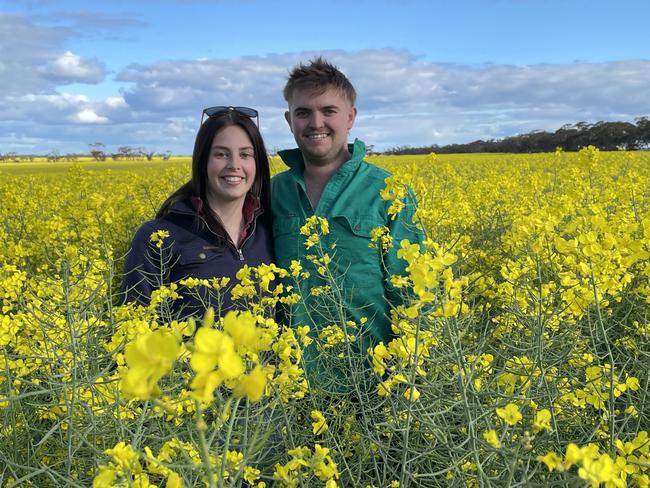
(351, 203)
(190, 252)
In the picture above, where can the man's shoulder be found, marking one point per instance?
(372, 173)
(282, 178)
(282, 175)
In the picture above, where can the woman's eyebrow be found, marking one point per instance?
(228, 148)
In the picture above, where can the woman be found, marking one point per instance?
(216, 223)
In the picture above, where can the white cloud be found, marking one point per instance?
(87, 116)
(69, 67)
(31, 59)
(116, 102)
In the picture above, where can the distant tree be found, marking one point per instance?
(98, 151)
(643, 132)
(53, 156)
(126, 152)
(10, 156)
(166, 155)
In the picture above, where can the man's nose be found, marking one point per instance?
(316, 119)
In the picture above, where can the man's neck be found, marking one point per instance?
(317, 176)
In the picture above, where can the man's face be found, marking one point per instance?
(320, 125)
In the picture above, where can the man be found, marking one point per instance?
(329, 179)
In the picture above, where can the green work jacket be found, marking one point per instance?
(353, 207)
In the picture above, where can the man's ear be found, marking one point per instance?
(287, 117)
(352, 117)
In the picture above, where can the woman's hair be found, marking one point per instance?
(198, 185)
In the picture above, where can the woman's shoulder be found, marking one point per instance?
(179, 219)
(151, 231)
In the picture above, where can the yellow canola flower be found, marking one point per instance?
(542, 420)
(412, 394)
(510, 414)
(319, 424)
(492, 438)
(148, 358)
(551, 460)
(379, 356)
(158, 237)
(251, 475)
(251, 385)
(573, 455)
(598, 470)
(632, 383)
(303, 333)
(322, 464)
(213, 348)
(242, 327)
(106, 478)
(124, 457)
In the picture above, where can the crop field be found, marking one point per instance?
(521, 358)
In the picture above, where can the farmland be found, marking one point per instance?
(520, 360)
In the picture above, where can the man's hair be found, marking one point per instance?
(317, 76)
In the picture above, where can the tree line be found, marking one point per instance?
(97, 151)
(606, 136)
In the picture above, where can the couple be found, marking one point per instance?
(226, 216)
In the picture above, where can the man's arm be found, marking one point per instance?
(401, 227)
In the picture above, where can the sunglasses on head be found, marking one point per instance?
(220, 110)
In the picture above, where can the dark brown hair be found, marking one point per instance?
(317, 76)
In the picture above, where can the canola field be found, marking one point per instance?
(520, 359)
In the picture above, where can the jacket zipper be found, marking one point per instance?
(239, 250)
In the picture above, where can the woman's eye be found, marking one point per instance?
(248, 155)
(220, 155)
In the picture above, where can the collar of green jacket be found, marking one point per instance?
(293, 158)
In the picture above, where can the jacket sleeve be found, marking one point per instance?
(402, 227)
(145, 266)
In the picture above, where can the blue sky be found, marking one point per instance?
(428, 72)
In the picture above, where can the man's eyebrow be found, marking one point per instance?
(326, 107)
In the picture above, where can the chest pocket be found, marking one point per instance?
(287, 240)
(354, 258)
(196, 260)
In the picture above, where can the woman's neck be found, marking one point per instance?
(231, 216)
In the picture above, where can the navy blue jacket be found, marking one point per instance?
(191, 252)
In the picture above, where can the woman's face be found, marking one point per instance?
(231, 166)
